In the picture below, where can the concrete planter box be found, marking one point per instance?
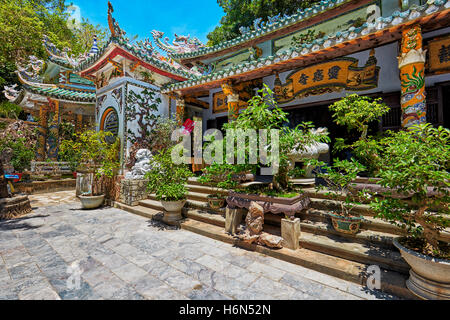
(429, 277)
(92, 202)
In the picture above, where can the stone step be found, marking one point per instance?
(142, 211)
(328, 204)
(205, 189)
(365, 247)
(338, 246)
(362, 253)
(152, 204)
(391, 282)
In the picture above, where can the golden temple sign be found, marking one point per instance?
(439, 54)
(335, 75)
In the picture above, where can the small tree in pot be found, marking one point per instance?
(167, 181)
(357, 113)
(338, 178)
(415, 164)
(97, 157)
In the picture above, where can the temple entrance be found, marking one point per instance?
(446, 105)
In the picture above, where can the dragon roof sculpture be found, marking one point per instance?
(181, 44)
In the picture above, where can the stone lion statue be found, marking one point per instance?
(143, 165)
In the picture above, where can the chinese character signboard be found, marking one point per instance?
(439, 55)
(335, 75)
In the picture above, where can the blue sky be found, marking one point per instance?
(190, 17)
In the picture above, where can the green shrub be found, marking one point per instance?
(412, 162)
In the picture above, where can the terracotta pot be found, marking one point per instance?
(348, 225)
(429, 277)
(216, 202)
(92, 202)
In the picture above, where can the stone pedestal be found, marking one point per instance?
(133, 191)
(233, 218)
(290, 232)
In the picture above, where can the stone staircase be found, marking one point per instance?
(322, 248)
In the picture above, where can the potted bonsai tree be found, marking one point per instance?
(338, 178)
(220, 176)
(167, 181)
(357, 113)
(415, 164)
(98, 158)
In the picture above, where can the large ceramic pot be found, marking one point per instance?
(429, 277)
(348, 225)
(216, 202)
(173, 210)
(92, 202)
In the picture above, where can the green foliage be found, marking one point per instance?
(19, 152)
(10, 110)
(222, 175)
(23, 24)
(161, 137)
(263, 112)
(91, 149)
(339, 177)
(167, 179)
(357, 112)
(242, 13)
(412, 162)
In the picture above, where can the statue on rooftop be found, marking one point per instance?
(181, 44)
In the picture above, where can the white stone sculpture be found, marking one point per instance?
(312, 151)
(144, 159)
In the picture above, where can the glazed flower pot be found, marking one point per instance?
(172, 209)
(429, 277)
(348, 225)
(92, 202)
(216, 202)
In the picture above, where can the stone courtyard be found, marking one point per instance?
(124, 256)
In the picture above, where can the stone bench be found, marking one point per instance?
(50, 168)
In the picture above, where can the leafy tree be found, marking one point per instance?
(357, 113)
(167, 179)
(413, 163)
(23, 24)
(242, 13)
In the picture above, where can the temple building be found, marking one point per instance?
(52, 93)
(396, 50)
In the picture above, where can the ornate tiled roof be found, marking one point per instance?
(261, 28)
(397, 18)
(142, 50)
(62, 94)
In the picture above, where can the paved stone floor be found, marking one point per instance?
(123, 256)
(52, 199)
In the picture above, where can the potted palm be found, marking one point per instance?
(338, 178)
(415, 164)
(99, 159)
(167, 181)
